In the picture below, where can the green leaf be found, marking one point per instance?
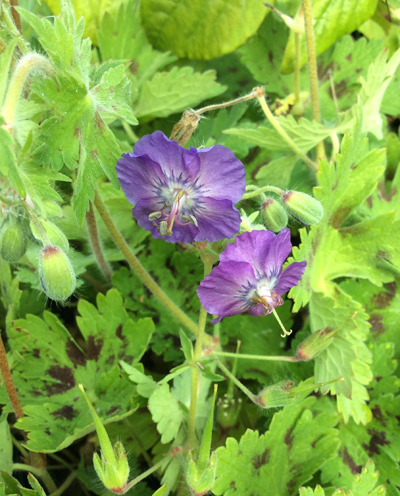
(287, 455)
(333, 19)
(5, 63)
(56, 414)
(6, 447)
(146, 385)
(170, 92)
(166, 412)
(8, 163)
(363, 485)
(161, 491)
(201, 29)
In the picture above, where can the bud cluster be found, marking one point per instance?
(17, 235)
(299, 206)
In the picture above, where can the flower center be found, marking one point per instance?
(266, 299)
(166, 219)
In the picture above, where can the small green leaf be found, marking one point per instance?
(201, 29)
(6, 447)
(5, 63)
(187, 346)
(161, 491)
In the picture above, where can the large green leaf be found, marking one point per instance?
(295, 446)
(51, 365)
(201, 29)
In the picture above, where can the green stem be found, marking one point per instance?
(194, 371)
(140, 271)
(24, 67)
(18, 445)
(241, 386)
(229, 393)
(312, 69)
(283, 133)
(144, 475)
(297, 37)
(95, 243)
(65, 485)
(13, 30)
(257, 357)
(260, 191)
(130, 132)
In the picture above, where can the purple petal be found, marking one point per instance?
(173, 159)
(224, 291)
(277, 254)
(221, 174)
(146, 206)
(140, 177)
(290, 277)
(216, 219)
(252, 247)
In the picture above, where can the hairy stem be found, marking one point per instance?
(65, 485)
(261, 191)
(95, 243)
(140, 271)
(39, 472)
(130, 132)
(41, 230)
(241, 386)
(24, 67)
(257, 357)
(297, 37)
(231, 385)
(145, 474)
(283, 134)
(195, 373)
(312, 69)
(9, 383)
(8, 20)
(218, 106)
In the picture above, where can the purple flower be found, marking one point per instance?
(249, 277)
(182, 195)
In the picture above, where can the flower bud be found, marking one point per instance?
(200, 482)
(56, 273)
(228, 410)
(113, 467)
(302, 207)
(315, 344)
(54, 233)
(13, 242)
(274, 215)
(276, 395)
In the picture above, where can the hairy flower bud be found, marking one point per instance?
(315, 344)
(276, 395)
(302, 207)
(13, 242)
(274, 215)
(56, 273)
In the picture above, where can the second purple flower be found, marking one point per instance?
(183, 195)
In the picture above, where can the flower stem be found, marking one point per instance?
(65, 485)
(39, 472)
(41, 230)
(145, 474)
(260, 191)
(297, 37)
(282, 133)
(13, 30)
(257, 357)
(95, 243)
(24, 67)
(285, 332)
(194, 371)
(218, 106)
(130, 132)
(313, 71)
(241, 386)
(235, 356)
(140, 271)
